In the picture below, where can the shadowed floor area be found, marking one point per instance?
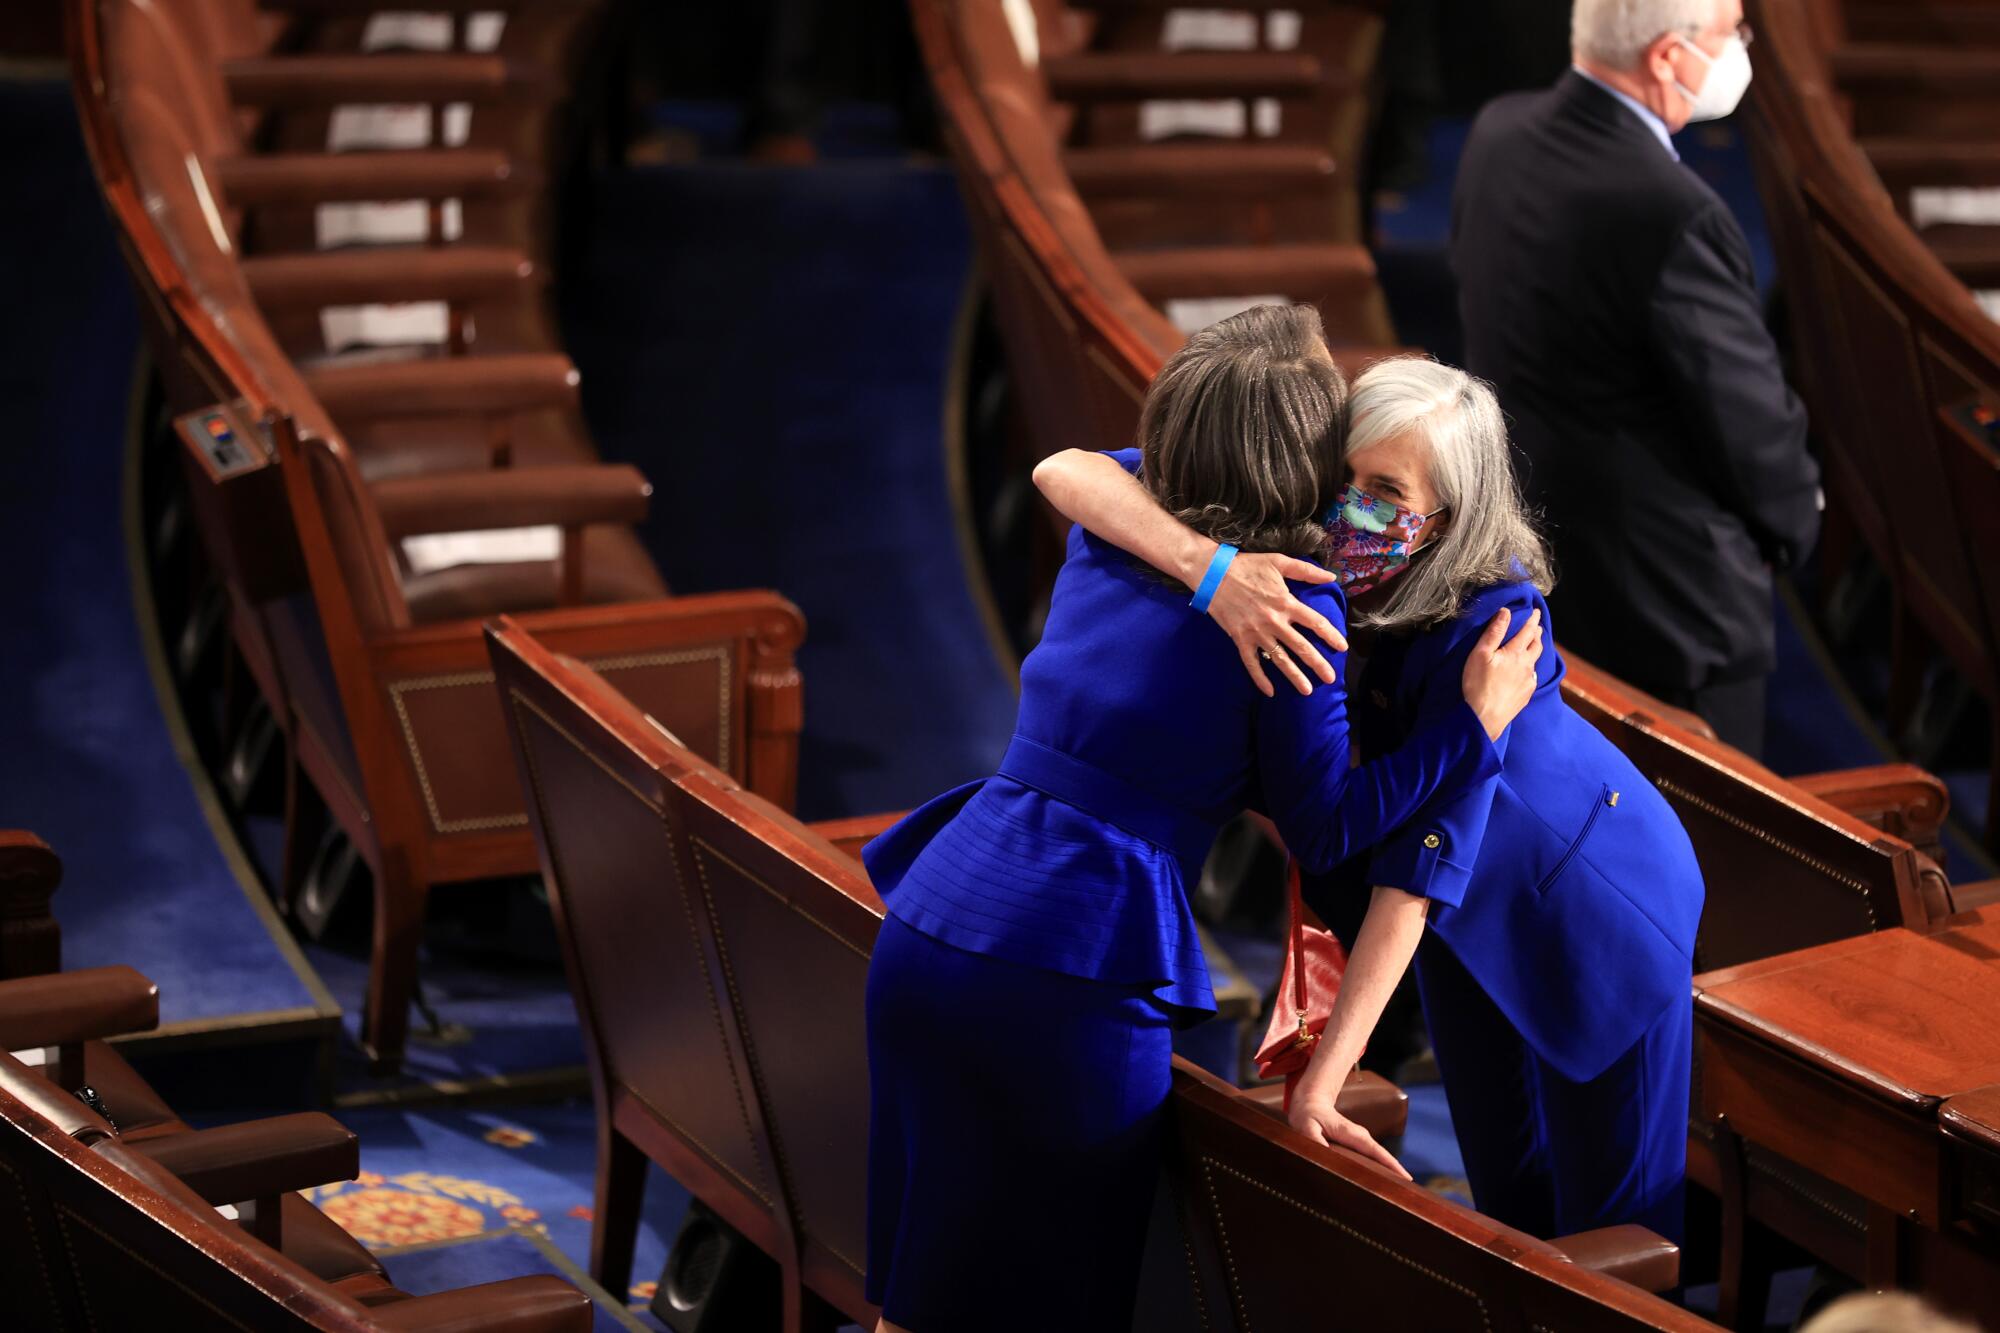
(87, 759)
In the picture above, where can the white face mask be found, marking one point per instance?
(1728, 78)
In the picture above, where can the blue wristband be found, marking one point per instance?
(1218, 565)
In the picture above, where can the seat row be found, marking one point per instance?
(125, 1216)
(1789, 863)
(312, 469)
(1899, 366)
(1089, 230)
(1914, 83)
(727, 1044)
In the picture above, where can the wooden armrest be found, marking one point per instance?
(1132, 76)
(332, 80)
(446, 386)
(389, 273)
(1196, 168)
(417, 173)
(857, 831)
(1631, 1254)
(1897, 798)
(258, 1159)
(1977, 894)
(1369, 1100)
(68, 1008)
(569, 496)
(542, 1304)
(1299, 271)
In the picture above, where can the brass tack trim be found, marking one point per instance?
(721, 654)
(1736, 821)
(1211, 1165)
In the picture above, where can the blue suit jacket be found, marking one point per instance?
(1139, 733)
(1565, 882)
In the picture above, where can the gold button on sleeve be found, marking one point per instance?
(1430, 839)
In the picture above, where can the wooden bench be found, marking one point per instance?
(727, 1039)
(115, 1240)
(1887, 341)
(376, 676)
(1788, 864)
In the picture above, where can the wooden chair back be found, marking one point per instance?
(1784, 869)
(1290, 1234)
(597, 771)
(735, 1024)
(114, 1242)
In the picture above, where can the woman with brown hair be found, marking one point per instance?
(1038, 948)
(1551, 908)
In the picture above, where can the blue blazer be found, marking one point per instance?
(1139, 734)
(1564, 882)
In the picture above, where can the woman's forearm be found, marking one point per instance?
(1109, 502)
(1388, 940)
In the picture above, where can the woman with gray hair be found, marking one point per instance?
(1037, 948)
(1562, 892)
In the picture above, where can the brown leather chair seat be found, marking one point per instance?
(616, 568)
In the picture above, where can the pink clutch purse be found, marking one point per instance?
(1314, 964)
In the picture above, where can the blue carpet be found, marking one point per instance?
(489, 1178)
(772, 346)
(441, 1174)
(492, 1257)
(497, 1019)
(90, 764)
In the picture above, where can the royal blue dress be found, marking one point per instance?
(1039, 945)
(1557, 971)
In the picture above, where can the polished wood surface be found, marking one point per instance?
(1868, 1065)
(1903, 1016)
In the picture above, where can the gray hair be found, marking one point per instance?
(1617, 32)
(1884, 1312)
(1490, 537)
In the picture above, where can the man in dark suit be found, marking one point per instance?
(1608, 295)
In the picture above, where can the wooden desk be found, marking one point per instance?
(1874, 1062)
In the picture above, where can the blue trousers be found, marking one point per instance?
(1545, 1154)
(1016, 1124)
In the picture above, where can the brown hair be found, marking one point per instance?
(1241, 431)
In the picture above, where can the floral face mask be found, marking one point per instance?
(1369, 540)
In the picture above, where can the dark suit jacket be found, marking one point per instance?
(1607, 294)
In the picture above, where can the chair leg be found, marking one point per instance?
(305, 822)
(621, 1190)
(1745, 1286)
(392, 975)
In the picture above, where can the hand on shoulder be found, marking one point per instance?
(1269, 621)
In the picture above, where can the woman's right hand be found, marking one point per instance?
(1500, 678)
(1314, 1115)
(1257, 610)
